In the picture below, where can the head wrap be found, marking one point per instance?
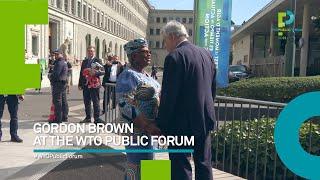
(134, 45)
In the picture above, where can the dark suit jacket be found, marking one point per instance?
(188, 92)
(85, 64)
(108, 71)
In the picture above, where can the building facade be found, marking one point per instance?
(158, 19)
(105, 24)
(270, 50)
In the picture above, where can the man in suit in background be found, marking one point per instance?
(113, 68)
(187, 101)
(91, 94)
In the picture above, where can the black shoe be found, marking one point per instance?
(16, 139)
(96, 121)
(54, 122)
(86, 120)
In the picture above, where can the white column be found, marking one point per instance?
(305, 37)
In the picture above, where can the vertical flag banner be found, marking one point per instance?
(213, 32)
(15, 75)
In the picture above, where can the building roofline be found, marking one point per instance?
(147, 3)
(265, 10)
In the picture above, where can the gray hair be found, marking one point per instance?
(174, 28)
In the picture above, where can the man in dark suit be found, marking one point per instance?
(113, 68)
(91, 94)
(58, 81)
(187, 101)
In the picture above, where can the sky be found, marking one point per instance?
(242, 10)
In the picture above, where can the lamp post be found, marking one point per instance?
(294, 38)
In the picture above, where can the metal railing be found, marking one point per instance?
(243, 142)
(111, 109)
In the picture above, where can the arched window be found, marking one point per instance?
(121, 53)
(110, 47)
(104, 48)
(88, 40)
(97, 44)
(116, 49)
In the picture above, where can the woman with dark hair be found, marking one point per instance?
(138, 99)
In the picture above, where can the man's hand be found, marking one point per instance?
(92, 72)
(152, 129)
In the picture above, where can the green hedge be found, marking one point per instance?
(276, 89)
(254, 139)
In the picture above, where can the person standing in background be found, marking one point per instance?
(91, 94)
(13, 103)
(59, 86)
(112, 68)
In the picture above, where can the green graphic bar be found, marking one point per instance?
(156, 170)
(113, 150)
(15, 75)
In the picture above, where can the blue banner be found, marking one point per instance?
(213, 32)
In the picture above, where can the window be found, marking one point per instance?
(109, 25)
(151, 31)
(151, 20)
(88, 40)
(158, 20)
(164, 20)
(58, 4)
(157, 31)
(98, 19)
(151, 44)
(73, 7)
(259, 46)
(94, 16)
(184, 20)
(35, 45)
(66, 5)
(190, 32)
(190, 20)
(245, 58)
(90, 14)
(84, 12)
(157, 44)
(79, 9)
(105, 23)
